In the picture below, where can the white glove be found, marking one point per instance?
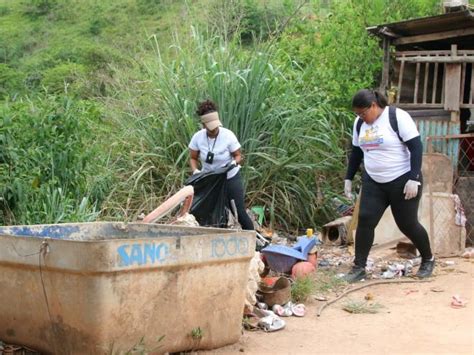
(233, 162)
(196, 171)
(348, 189)
(411, 189)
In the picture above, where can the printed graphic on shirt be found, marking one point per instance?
(371, 139)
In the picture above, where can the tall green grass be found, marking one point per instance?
(293, 144)
(50, 166)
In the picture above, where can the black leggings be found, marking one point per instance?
(235, 191)
(375, 199)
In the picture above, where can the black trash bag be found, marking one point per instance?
(210, 203)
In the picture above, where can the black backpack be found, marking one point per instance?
(392, 117)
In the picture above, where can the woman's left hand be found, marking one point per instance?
(411, 189)
(237, 157)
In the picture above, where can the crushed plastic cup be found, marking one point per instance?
(389, 274)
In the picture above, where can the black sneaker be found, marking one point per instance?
(356, 274)
(426, 269)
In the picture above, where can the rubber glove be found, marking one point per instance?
(348, 189)
(196, 171)
(411, 189)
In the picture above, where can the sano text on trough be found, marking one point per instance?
(151, 253)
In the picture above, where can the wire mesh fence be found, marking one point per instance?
(449, 193)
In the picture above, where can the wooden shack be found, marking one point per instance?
(428, 71)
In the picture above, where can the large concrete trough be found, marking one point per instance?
(102, 288)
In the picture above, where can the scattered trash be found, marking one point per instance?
(282, 311)
(323, 263)
(261, 241)
(8, 349)
(389, 274)
(262, 305)
(468, 253)
(250, 322)
(370, 266)
(299, 310)
(320, 298)
(269, 321)
(460, 218)
(278, 293)
(415, 261)
(458, 302)
(406, 250)
(186, 220)
(448, 263)
(260, 212)
(341, 208)
(270, 280)
(436, 289)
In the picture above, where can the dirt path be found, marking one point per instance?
(414, 320)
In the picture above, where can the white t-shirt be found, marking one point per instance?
(222, 146)
(385, 156)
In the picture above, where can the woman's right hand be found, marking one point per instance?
(348, 189)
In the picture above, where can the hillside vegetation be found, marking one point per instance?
(97, 100)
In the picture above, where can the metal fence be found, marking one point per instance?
(449, 192)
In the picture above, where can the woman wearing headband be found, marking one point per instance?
(215, 147)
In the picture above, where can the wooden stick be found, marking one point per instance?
(400, 79)
(425, 82)
(368, 285)
(472, 85)
(442, 85)
(417, 81)
(435, 83)
(454, 59)
(463, 80)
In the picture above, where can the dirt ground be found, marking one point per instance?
(414, 320)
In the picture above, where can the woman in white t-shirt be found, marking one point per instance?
(387, 139)
(215, 147)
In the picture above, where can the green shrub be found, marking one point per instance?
(49, 161)
(11, 81)
(4, 10)
(59, 78)
(333, 49)
(36, 8)
(302, 288)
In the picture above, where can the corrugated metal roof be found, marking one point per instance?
(425, 25)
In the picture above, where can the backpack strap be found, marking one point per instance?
(392, 116)
(359, 125)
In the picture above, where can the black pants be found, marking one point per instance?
(235, 191)
(375, 199)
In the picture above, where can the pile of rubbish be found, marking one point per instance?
(274, 302)
(272, 272)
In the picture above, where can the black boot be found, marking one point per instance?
(356, 274)
(426, 269)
